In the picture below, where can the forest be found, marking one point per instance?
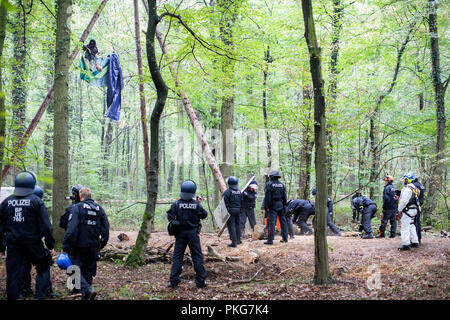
(334, 94)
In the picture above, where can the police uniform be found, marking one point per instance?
(188, 213)
(87, 233)
(368, 208)
(275, 201)
(330, 223)
(301, 211)
(389, 211)
(23, 223)
(234, 201)
(248, 209)
(355, 211)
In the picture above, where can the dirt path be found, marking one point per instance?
(284, 271)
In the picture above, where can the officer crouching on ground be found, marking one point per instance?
(368, 208)
(187, 211)
(23, 222)
(87, 232)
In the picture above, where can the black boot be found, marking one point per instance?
(233, 245)
(367, 236)
(268, 242)
(414, 245)
(404, 247)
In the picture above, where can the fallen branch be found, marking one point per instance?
(240, 281)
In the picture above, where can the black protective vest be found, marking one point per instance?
(187, 212)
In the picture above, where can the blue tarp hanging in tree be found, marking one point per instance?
(115, 85)
(110, 77)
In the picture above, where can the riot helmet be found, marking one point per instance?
(38, 191)
(76, 192)
(233, 182)
(187, 190)
(274, 174)
(24, 184)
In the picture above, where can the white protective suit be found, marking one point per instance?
(408, 231)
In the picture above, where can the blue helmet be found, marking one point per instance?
(188, 189)
(24, 184)
(63, 261)
(314, 191)
(409, 177)
(233, 182)
(38, 191)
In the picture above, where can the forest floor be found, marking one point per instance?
(283, 271)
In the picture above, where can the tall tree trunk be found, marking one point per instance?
(268, 60)
(228, 14)
(61, 116)
(334, 72)
(19, 90)
(375, 153)
(49, 97)
(307, 146)
(137, 30)
(180, 143)
(322, 272)
(135, 257)
(439, 166)
(3, 17)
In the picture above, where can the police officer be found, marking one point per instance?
(417, 222)
(368, 208)
(63, 221)
(408, 207)
(23, 222)
(389, 208)
(274, 203)
(188, 211)
(355, 211)
(248, 206)
(330, 223)
(87, 232)
(233, 201)
(301, 211)
(289, 217)
(26, 284)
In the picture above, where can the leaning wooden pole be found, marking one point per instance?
(49, 97)
(209, 156)
(137, 29)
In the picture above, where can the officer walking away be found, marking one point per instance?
(23, 222)
(275, 201)
(233, 201)
(355, 211)
(301, 211)
(408, 208)
(368, 208)
(26, 284)
(75, 199)
(248, 206)
(389, 208)
(188, 212)
(87, 232)
(417, 222)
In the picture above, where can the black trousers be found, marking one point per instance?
(18, 258)
(234, 228)
(332, 225)
(388, 216)
(367, 215)
(418, 226)
(250, 214)
(301, 222)
(183, 239)
(86, 259)
(272, 223)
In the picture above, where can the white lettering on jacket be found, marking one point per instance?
(21, 202)
(188, 206)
